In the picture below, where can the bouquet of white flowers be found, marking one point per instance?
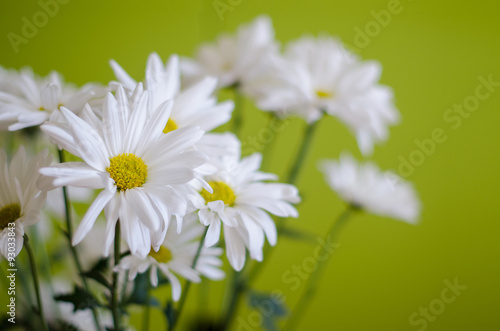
(176, 195)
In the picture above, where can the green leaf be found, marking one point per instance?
(269, 307)
(80, 298)
(98, 272)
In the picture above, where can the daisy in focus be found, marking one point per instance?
(366, 187)
(20, 199)
(175, 257)
(27, 100)
(140, 169)
(319, 75)
(232, 57)
(241, 204)
(194, 106)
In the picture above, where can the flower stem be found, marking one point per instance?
(145, 316)
(184, 295)
(237, 288)
(34, 272)
(115, 304)
(301, 155)
(314, 278)
(74, 252)
(237, 112)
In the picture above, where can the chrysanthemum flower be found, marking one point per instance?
(29, 100)
(232, 57)
(194, 106)
(20, 199)
(366, 187)
(241, 203)
(140, 169)
(176, 256)
(319, 75)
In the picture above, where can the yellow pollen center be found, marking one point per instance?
(170, 126)
(41, 109)
(221, 192)
(323, 94)
(162, 256)
(9, 214)
(128, 171)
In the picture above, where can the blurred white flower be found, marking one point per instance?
(20, 199)
(232, 56)
(195, 105)
(28, 100)
(176, 256)
(366, 187)
(318, 75)
(140, 169)
(240, 202)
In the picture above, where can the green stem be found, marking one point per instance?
(314, 278)
(185, 292)
(74, 252)
(301, 155)
(146, 313)
(237, 289)
(269, 147)
(115, 304)
(34, 272)
(237, 112)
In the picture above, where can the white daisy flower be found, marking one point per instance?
(240, 203)
(20, 199)
(232, 57)
(175, 257)
(30, 100)
(319, 75)
(194, 106)
(140, 169)
(365, 186)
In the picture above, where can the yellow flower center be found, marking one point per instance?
(128, 171)
(221, 192)
(171, 126)
(323, 94)
(162, 256)
(41, 109)
(9, 214)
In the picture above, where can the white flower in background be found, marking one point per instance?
(29, 100)
(20, 199)
(240, 203)
(366, 187)
(318, 75)
(176, 256)
(232, 57)
(194, 106)
(140, 169)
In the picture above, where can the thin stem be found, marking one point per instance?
(147, 309)
(115, 304)
(268, 148)
(301, 155)
(237, 112)
(74, 252)
(237, 287)
(184, 295)
(314, 278)
(34, 272)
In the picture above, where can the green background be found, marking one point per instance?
(432, 53)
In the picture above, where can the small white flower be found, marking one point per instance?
(240, 203)
(318, 75)
(176, 256)
(20, 199)
(232, 57)
(29, 100)
(194, 106)
(366, 187)
(140, 169)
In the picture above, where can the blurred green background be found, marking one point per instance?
(432, 53)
